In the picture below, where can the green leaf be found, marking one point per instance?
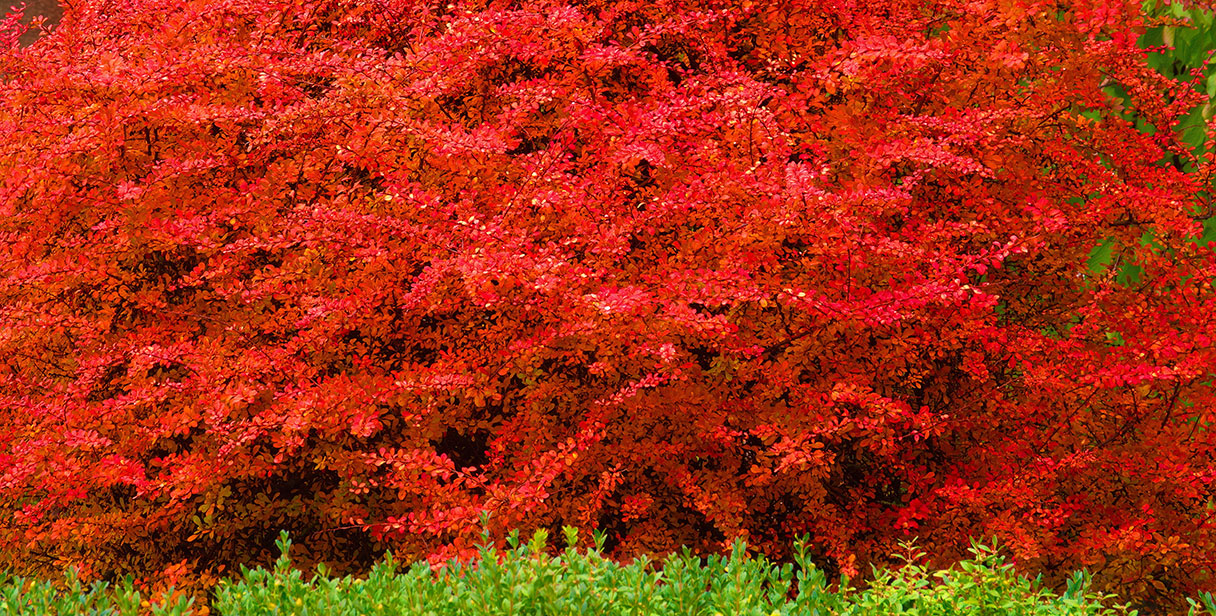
(1129, 274)
(1100, 256)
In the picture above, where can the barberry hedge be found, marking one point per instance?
(683, 271)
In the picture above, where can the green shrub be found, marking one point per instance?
(525, 580)
(68, 597)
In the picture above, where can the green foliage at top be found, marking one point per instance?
(1187, 47)
(1182, 47)
(525, 580)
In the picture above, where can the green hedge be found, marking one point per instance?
(525, 580)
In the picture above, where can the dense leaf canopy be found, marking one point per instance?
(679, 270)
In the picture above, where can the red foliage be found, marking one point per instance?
(680, 270)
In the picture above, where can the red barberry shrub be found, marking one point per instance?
(680, 270)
